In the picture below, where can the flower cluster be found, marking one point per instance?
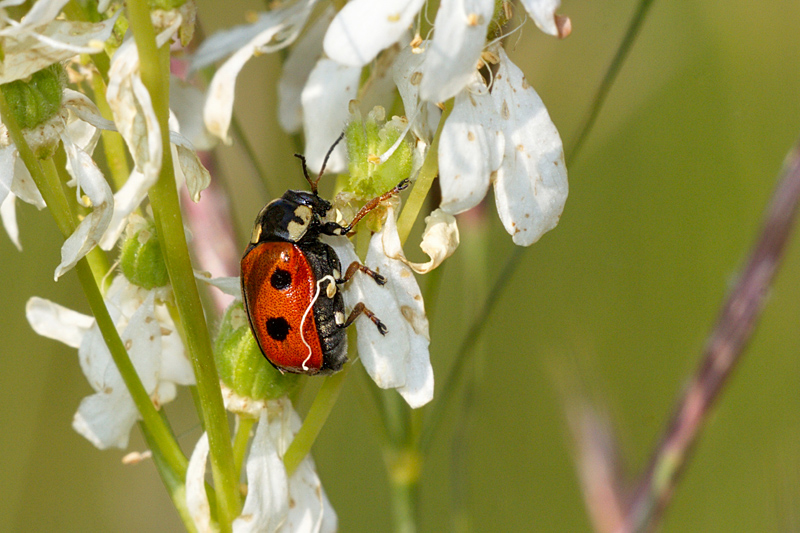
(468, 115)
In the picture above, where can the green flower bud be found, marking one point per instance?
(366, 142)
(241, 365)
(38, 99)
(141, 260)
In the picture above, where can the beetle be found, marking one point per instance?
(290, 281)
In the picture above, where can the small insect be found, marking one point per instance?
(290, 281)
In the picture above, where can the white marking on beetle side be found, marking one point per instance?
(308, 309)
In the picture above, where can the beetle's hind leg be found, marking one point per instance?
(360, 309)
(354, 267)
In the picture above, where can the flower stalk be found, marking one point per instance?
(168, 218)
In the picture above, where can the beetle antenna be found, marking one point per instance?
(328, 155)
(324, 163)
(305, 173)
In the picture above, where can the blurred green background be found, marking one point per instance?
(665, 201)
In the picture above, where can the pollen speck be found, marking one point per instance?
(394, 17)
(470, 136)
(416, 78)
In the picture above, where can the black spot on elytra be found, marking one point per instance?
(278, 328)
(280, 279)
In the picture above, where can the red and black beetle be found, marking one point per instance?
(290, 281)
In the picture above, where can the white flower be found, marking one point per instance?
(154, 346)
(275, 502)
(79, 139)
(401, 358)
(296, 70)
(458, 40)
(274, 30)
(325, 98)
(38, 40)
(503, 135)
(136, 121)
(364, 27)
(544, 15)
(439, 240)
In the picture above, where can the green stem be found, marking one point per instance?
(50, 187)
(404, 467)
(428, 172)
(113, 144)
(315, 419)
(172, 481)
(154, 68)
(240, 441)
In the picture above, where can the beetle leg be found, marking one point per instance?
(332, 228)
(356, 266)
(358, 310)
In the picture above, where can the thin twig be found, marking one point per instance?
(724, 349)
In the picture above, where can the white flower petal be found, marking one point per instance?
(23, 185)
(311, 510)
(460, 33)
(400, 359)
(84, 133)
(543, 13)
(27, 52)
(53, 321)
(267, 502)
(232, 286)
(326, 98)
(196, 497)
(194, 173)
(142, 339)
(8, 214)
(126, 200)
(226, 42)
(531, 185)
(8, 160)
(296, 69)
(407, 75)
(418, 387)
(439, 240)
(365, 27)
(133, 111)
(106, 420)
(41, 12)
(281, 25)
(88, 233)
(470, 148)
(175, 366)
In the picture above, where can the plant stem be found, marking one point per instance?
(172, 481)
(154, 68)
(428, 172)
(242, 437)
(315, 419)
(724, 348)
(404, 465)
